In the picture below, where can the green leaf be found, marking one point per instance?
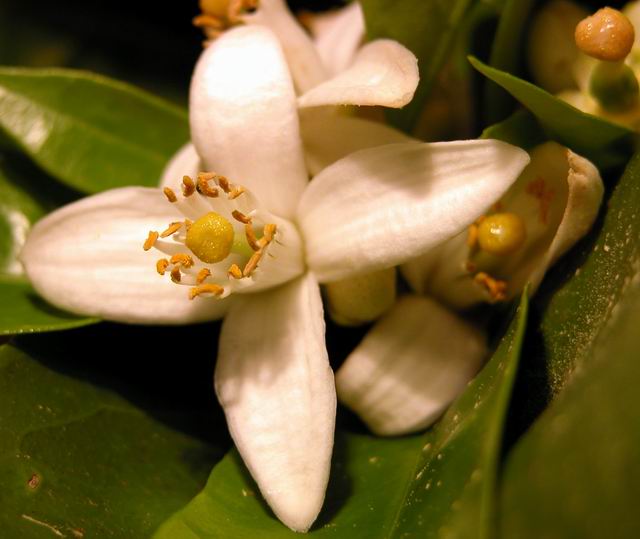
(599, 140)
(25, 196)
(418, 486)
(428, 29)
(79, 460)
(575, 473)
(90, 132)
(520, 129)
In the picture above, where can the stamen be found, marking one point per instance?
(162, 265)
(202, 275)
(234, 271)
(224, 184)
(251, 237)
(171, 229)
(151, 240)
(205, 289)
(268, 233)
(236, 192)
(188, 186)
(472, 236)
(182, 259)
(171, 196)
(175, 274)
(239, 216)
(497, 289)
(187, 224)
(203, 20)
(251, 266)
(204, 188)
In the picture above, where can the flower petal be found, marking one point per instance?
(410, 367)
(337, 35)
(276, 386)
(329, 136)
(379, 207)
(185, 162)
(87, 258)
(244, 121)
(383, 73)
(304, 61)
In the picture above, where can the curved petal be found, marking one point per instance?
(337, 35)
(244, 121)
(410, 367)
(87, 258)
(383, 73)
(276, 386)
(185, 162)
(304, 61)
(329, 136)
(379, 207)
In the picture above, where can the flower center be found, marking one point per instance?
(210, 238)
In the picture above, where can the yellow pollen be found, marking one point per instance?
(251, 237)
(251, 266)
(497, 289)
(202, 275)
(210, 238)
(151, 240)
(188, 186)
(175, 274)
(162, 265)
(606, 35)
(501, 233)
(234, 271)
(204, 188)
(171, 196)
(236, 192)
(224, 184)
(182, 259)
(239, 216)
(171, 229)
(205, 289)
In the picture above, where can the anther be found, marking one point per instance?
(171, 196)
(497, 289)
(151, 240)
(202, 275)
(162, 265)
(204, 188)
(205, 289)
(175, 274)
(472, 236)
(236, 192)
(268, 233)
(203, 20)
(182, 259)
(234, 271)
(252, 264)
(239, 216)
(251, 237)
(171, 229)
(224, 184)
(188, 186)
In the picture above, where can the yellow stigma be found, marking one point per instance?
(210, 238)
(501, 233)
(607, 35)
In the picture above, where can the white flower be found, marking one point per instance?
(370, 210)
(420, 356)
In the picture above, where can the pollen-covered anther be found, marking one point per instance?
(171, 196)
(252, 264)
(207, 288)
(497, 289)
(162, 265)
(188, 186)
(251, 237)
(151, 240)
(182, 259)
(176, 277)
(236, 192)
(202, 276)
(239, 216)
(171, 229)
(224, 184)
(204, 188)
(234, 271)
(268, 234)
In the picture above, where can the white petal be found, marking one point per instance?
(87, 258)
(383, 73)
(244, 121)
(304, 61)
(329, 136)
(338, 34)
(277, 389)
(185, 162)
(379, 207)
(410, 367)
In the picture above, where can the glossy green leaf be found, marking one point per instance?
(426, 28)
(89, 132)
(595, 138)
(412, 487)
(520, 129)
(79, 460)
(575, 473)
(25, 195)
